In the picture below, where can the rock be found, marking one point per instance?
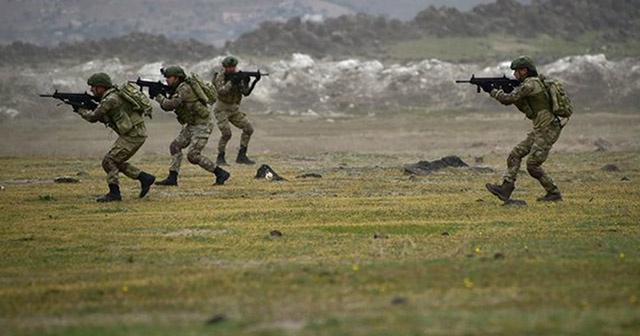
(66, 179)
(426, 167)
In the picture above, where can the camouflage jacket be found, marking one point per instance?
(115, 112)
(186, 105)
(531, 98)
(226, 91)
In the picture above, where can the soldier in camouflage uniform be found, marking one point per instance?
(532, 99)
(227, 109)
(118, 114)
(195, 118)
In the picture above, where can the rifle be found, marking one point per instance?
(77, 100)
(240, 76)
(155, 88)
(244, 76)
(489, 83)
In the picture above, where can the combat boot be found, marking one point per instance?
(171, 180)
(550, 197)
(221, 175)
(220, 161)
(113, 195)
(503, 191)
(146, 180)
(242, 156)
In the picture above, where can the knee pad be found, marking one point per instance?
(535, 171)
(108, 164)
(193, 157)
(248, 129)
(513, 160)
(226, 134)
(174, 148)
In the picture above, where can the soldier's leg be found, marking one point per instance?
(222, 120)
(543, 142)
(112, 163)
(133, 144)
(503, 191)
(175, 148)
(194, 155)
(240, 120)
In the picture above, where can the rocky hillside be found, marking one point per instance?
(609, 20)
(605, 22)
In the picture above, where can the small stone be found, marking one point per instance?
(275, 233)
(217, 318)
(66, 179)
(398, 300)
(379, 235)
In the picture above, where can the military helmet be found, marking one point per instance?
(230, 61)
(523, 62)
(100, 79)
(174, 70)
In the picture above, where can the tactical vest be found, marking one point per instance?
(122, 118)
(192, 111)
(536, 102)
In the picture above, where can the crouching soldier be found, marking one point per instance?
(118, 114)
(195, 118)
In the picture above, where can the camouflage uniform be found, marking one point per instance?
(227, 110)
(196, 123)
(531, 98)
(118, 114)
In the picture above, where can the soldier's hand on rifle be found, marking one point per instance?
(495, 92)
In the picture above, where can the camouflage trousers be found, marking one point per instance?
(536, 145)
(195, 137)
(123, 149)
(230, 114)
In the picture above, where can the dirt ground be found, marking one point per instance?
(420, 134)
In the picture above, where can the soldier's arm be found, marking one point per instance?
(100, 113)
(170, 104)
(521, 91)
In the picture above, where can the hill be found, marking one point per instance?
(486, 32)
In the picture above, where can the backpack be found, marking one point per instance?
(141, 104)
(560, 102)
(205, 91)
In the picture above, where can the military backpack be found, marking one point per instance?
(205, 91)
(141, 104)
(560, 101)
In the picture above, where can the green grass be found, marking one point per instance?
(452, 260)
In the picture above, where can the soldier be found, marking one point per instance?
(195, 118)
(118, 114)
(227, 109)
(531, 98)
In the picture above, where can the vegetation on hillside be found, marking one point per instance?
(609, 26)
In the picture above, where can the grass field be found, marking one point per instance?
(364, 250)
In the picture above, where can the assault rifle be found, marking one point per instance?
(244, 76)
(489, 83)
(155, 88)
(240, 76)
(77, 100)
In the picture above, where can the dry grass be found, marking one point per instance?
(452, 260)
